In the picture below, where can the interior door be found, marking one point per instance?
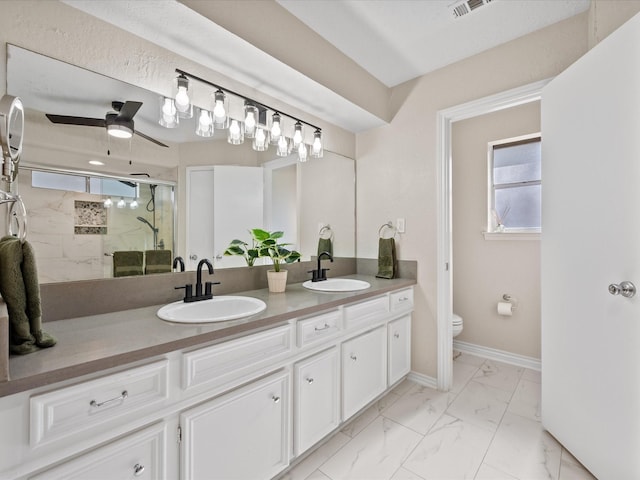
(591, 239)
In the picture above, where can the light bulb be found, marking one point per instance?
(260, 142)
(236, 134)
(205, 119)
(316, 146)
(121, 203)
(204, 128)
(107, 203)
(250, 120)
(276, 129)
(182, 99)
(283, 147)
(219, 111)
(302, 152)
(134, 204)
(297, 134)
(168, 113)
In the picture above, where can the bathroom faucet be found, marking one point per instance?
(189, 296)
(321, 273)
(176, 261)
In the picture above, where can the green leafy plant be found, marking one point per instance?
(264, 244)
(238, 247)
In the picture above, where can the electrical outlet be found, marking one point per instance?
(400, 226)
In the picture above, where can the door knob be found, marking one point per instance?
(626, 289)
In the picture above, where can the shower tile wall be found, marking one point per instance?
(63, 255)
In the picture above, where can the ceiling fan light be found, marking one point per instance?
(204, 125)
(120, 130)
(168, 113)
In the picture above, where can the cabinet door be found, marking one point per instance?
(139, 455)
(317, 400)
(364, 370)
(399, 348)
(241, 435)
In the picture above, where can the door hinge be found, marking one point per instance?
(179, 434)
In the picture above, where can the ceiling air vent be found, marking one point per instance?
(468, 6)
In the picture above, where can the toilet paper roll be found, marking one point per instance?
(505, 308)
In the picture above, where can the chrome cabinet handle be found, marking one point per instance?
(309, 380)
(326, 326)
(403, 299)
(275, 399)
(396, 335)
(353, 357)
(138, 470)
(626, 289)
(122, 396)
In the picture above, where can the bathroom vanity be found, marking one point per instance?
(134, 396)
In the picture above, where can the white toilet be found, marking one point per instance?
(456, 321)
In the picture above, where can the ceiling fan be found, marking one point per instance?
(119, 123)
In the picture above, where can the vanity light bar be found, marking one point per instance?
(250, 105)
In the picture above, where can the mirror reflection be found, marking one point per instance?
(299, 198)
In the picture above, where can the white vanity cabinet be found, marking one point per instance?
(138, 455)
(316, 398)
(241, 435)
(399, 338)
(364, 370)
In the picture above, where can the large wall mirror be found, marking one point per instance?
(299, 198)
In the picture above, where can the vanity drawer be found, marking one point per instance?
(316, 328)
(140, 454)
(219, 364)
(80, 407)
(401, 301)
(365, 312)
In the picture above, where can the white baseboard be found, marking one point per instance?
(498, 355)
(421, 379)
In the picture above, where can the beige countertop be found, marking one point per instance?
(99, 342)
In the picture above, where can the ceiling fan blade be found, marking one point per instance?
(128, 110)
(83, 121)
(147, 137)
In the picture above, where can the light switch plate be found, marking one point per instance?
(400, 226)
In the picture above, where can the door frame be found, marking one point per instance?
(445, 118)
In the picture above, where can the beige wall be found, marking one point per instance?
(484, 270)
(396, 164)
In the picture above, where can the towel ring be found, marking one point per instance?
(389, 226)
(18, 212)
(324, 230)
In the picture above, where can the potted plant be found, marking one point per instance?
(267, 244)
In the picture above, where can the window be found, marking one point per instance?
(515, 184)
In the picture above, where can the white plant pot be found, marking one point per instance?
(277, 280)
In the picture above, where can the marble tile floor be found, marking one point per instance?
(486, 428)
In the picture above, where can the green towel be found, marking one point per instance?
(325, 245)
(157, 261)
(128, 263)
(387, 263)
(20, 290)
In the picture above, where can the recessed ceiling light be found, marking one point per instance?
(96, 162)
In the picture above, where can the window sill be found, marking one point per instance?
(513, 235)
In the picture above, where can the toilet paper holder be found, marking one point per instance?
(511, 299)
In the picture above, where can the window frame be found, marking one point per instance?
(521, 233)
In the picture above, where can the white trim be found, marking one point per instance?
(421, 379)
(498, 355)
(510, 98)
(532, 235)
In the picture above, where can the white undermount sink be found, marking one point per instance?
(217, 309)
(337, 285)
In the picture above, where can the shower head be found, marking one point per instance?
(144, 220)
